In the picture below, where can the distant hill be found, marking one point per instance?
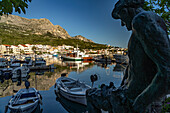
(18, 30)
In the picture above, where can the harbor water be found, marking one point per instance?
(44, 82)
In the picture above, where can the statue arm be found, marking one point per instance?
(125, 76)
(156, 44)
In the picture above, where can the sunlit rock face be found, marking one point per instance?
(36, 26)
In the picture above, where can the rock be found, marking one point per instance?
(37, 26)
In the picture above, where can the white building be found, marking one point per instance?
(5, 49)
(15, 49)
(26, 49)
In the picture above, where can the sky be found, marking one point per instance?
(89, 18)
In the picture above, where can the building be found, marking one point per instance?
(5, 49)
(15, 49)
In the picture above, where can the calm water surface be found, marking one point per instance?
(44, 82)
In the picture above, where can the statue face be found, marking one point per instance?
(123, 12)
(124, 15)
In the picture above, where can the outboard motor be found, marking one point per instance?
(93, 78)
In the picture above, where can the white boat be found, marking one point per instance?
(71, 57)
(15, 63)
(71, 89)
(20, 72)
(6, 72)
(3, 63)
(40, 62)
(25, 101)
(28, 61)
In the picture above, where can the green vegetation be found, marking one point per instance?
(161, 7)
(7, 6)
(13, 35)
(166, 107)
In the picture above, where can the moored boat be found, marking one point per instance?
(40, 62)
(71, 57)
(28, 61)
(3, 63)
(25, 101)
(71, 89)
(20, 72)
(6, 73)
(15, 63)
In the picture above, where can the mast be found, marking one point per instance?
(77, 51)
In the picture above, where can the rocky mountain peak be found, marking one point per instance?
(82, 38)
(41, 26)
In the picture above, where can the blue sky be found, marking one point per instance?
(89, 18)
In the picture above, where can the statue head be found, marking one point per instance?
(125, 10)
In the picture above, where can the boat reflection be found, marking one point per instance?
(39, 109)
(40, 79)
(77, 65)
(70, 106)
(105, 64)
(118, 71)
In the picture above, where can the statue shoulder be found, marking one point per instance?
(148, 18)
(149, 26)
(145, 17)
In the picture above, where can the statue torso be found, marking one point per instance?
(141, 67)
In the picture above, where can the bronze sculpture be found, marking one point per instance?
(147, 76)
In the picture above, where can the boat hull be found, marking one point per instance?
(81, 99)
(72, 58)
(25, 101)
(72, 90)
(27, 109)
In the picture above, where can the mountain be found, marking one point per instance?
(79, 37)
(37, 26)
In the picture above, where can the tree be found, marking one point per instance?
(34, 49)
(7, 6)
(162, 8)
(22, 52)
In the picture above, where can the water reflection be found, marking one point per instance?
(38, 109)
(11, 86)
(77, 66)
(118, 71)
(44, 80)
(70, 106)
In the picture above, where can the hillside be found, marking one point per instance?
(16, 30)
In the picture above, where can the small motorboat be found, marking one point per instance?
(6, 73)
(71, 89)
(20, 72)
(25, 101)
(28, 62)
(15, 63)
(40, 62)
(3, 63)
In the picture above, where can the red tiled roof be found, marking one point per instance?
(6, 45)
(23, 45)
